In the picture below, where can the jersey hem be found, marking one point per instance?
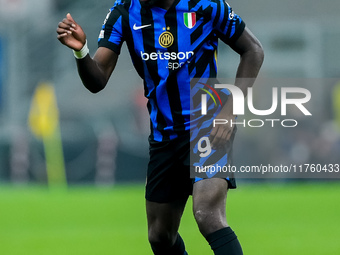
(111, 46)
(238, 32)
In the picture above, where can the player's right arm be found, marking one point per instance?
(94, 72)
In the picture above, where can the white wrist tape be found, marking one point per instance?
(82, 53)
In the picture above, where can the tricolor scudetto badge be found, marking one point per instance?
(189, 19)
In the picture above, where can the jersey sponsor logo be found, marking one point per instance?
(189, 19)
(135, 27)
(176, 59)
(166, 55)
(166, 39)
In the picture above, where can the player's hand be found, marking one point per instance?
(220, 134)
(71, 34)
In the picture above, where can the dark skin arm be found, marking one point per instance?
(94, 72)
(251, 58)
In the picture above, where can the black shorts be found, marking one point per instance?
(168, 175)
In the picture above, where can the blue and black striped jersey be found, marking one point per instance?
(168, 48)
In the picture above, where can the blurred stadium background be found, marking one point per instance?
(104, 136)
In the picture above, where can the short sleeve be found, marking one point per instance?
(111, 35)
(228, 25)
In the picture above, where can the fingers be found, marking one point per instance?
(71, 34)
(217, 139)
(213, 132)
(219, 136)
(66, 26)
(62, 32)
(69, 17)
(62, 35)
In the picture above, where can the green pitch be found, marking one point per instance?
(269, 219)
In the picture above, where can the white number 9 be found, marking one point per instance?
(206, 150)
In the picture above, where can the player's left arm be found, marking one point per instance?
(251, 57)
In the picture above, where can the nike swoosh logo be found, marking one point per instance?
(135, 27)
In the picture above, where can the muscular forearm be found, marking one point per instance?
(91, 74)
(248, 69)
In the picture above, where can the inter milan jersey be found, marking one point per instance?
(168, 48)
